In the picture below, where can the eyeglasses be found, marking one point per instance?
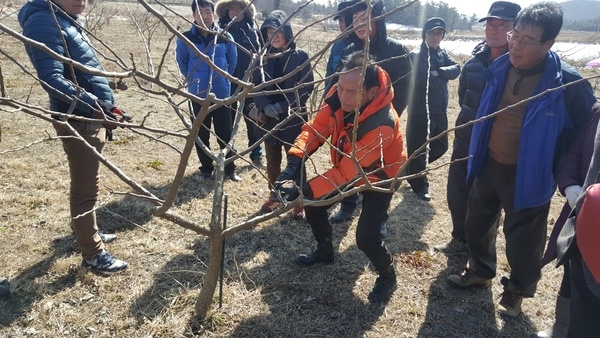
(513, 38)
(496, 28)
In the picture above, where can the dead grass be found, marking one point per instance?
(264, 293)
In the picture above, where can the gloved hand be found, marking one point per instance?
(273, 110)
(112, 112)
(434, 73)
(290, 172)
(572, 192)
(290, 191)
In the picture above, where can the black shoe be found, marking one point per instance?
(105, 264)
(315, 257)
(233, 176)
(384, 286)
(4, 288)
(423, 194)
(323, 254)
(340, 216)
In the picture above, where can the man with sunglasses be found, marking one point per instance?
(515, 152)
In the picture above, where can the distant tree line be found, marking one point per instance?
(583, 25)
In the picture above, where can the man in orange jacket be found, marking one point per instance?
(370, 143)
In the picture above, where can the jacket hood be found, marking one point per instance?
(34, 6)
(378, 9)
(277, 19)
(222, 9)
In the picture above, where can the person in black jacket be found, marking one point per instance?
(390, 54)
(499, 21)
(427, 108)
(284, 101)
(237, 17)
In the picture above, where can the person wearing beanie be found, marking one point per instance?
(428, 104)
(237, 18)
(283, 102)
(499, 21)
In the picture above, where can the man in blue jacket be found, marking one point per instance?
(514, 153)
(202, 80)
(75, 94)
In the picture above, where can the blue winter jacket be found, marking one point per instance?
(550, 124)
(38, 24)
(200, 77)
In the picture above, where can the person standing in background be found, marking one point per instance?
(237, 17)
(428, 104)
(499, 21)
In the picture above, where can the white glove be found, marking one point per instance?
(572, 192)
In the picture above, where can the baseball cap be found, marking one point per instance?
(434, 23)
(502, 10)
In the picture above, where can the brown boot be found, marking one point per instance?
(561, 320)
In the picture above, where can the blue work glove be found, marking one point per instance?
(273, 110)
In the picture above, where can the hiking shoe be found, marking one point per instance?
(259, 163)
(455, 247)
(317, 256)
(340, 216)
(105, 264)
(107, 238)
(510, 304)
(469, 279)
(271, 204)
(298, 213)
(383, 289)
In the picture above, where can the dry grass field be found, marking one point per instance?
(265, 294)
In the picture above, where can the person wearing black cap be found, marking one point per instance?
(499, 21)
(335, 56)
(428, 104)
(390, 54)
(514, 154)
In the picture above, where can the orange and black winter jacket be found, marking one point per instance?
(379, 145)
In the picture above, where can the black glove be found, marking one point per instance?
(290, 172)
(291, 191)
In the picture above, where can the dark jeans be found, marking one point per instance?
(368, 240)
(585, 306)
(457, 192)
(416, 136)
(257, 152)
(223, 129)
(525, 230)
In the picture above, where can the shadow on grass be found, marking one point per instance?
(25, 287)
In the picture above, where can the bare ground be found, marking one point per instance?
(264, 293)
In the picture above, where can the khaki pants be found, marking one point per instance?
(83, 168)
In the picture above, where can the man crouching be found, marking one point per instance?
(362, 88)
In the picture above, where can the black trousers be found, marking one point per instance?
(368, 240)
(257, 152)
(524, 230)
(457, 191)
(416, 136)
(585, 306)
(223, 129)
